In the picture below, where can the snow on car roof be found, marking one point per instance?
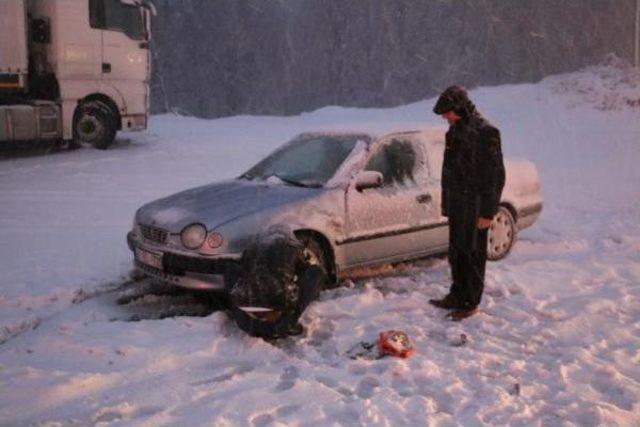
(431, 134)
(337, 133)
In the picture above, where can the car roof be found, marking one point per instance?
(367, 136)
(431, 134)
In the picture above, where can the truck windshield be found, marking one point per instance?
(117, 16)
(308, 160)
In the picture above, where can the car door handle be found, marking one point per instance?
(423, 198)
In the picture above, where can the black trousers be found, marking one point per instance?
(467, 250)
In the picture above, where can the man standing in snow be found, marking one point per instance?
(473, 177)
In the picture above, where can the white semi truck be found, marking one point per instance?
(74, 71)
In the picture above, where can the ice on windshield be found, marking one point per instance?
(307, 160)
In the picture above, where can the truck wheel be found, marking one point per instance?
(94, 125)
(502, 235)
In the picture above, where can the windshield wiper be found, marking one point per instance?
(298, 183)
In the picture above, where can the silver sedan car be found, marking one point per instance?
(352, 199)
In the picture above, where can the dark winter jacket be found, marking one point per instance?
(473, 167)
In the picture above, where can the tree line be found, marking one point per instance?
(214, 58)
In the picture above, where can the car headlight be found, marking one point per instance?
(193, 236)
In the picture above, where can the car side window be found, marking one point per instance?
(435, 152)
(397, 161)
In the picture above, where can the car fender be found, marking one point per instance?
(323, 214)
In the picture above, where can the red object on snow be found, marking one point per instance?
(396, 344)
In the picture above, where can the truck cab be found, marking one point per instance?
(73, 70)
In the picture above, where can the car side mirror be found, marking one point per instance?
(368, 179)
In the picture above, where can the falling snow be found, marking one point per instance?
(557, 340)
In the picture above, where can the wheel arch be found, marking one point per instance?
(106, 100)
(511, 209)
(326, 247)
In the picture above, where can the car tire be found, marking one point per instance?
(301, 280)
(285, 325)
(94, 125)
(502, 234)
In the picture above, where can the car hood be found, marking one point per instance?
(216, 204)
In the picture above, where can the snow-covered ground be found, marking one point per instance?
(557, 341)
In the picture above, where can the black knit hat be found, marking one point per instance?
(453, 98)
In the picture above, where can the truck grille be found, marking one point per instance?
(154, 234)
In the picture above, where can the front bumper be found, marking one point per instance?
(134, 122)
(213, 273)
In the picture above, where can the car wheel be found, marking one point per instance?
(274, 288)
(502, 235)
(272, 324)
(94, 125)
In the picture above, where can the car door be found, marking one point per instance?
(437, 238)
(392, 222)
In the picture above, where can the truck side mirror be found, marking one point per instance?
(368, 179)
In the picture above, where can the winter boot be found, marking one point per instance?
(458, 315)
(448, 303)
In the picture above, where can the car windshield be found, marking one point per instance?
(308, 160)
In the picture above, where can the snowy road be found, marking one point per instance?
(557, 341)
